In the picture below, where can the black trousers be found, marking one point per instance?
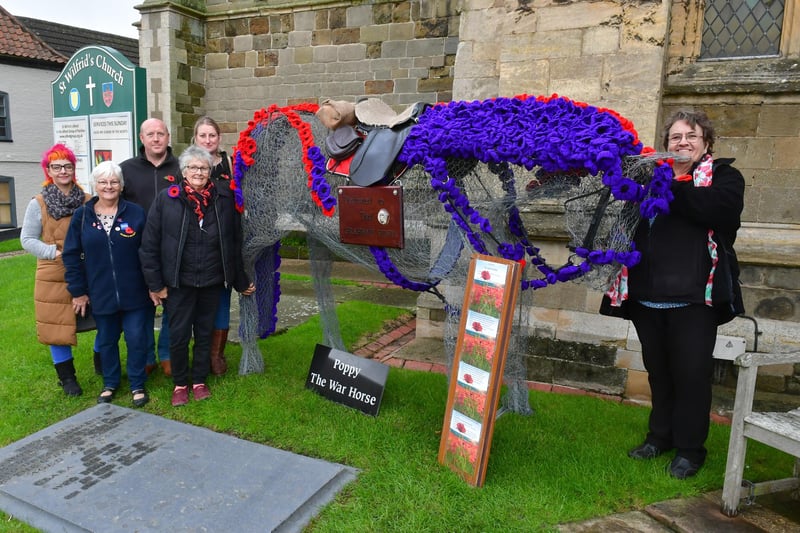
(677, 349)
(191, 311)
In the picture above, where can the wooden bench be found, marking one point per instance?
(778, 430)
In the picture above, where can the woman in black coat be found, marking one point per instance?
(190, 251)
(685, 285)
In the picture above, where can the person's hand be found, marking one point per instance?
(249, 290)
(79, 304)
(58, 254)
(158, 296)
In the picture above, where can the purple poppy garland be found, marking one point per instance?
(555, 134)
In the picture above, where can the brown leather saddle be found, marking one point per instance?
(367, 152)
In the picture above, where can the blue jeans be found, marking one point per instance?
(223, 318)
(60, 353)
(163, 337)
(134, 324)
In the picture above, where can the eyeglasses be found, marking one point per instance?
(194, 170)
(58, 168)
(104, 184)
(691, 137)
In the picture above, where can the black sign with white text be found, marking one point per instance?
(347, 379)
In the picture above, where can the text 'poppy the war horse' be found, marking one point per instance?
(472, 170)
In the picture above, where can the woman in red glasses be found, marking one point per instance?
(43, 231)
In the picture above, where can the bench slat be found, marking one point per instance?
(780, 430)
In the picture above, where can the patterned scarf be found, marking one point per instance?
(702, 177)
(199, 199)
(60, 205)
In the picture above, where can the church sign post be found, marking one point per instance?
(99, 99)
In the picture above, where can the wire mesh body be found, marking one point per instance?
(278, 200)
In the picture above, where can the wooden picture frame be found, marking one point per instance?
(487, 316)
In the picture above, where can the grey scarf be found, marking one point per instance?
(60, 205)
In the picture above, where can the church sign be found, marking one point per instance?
(99, 99)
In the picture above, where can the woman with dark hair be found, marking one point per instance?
(101, 256)
(191, 250)
(207, 136)
(43, 231)
(685, 285)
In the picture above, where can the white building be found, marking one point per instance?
(32, 54)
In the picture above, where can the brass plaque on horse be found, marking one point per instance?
(372, 216)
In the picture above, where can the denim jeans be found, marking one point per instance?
(134, 324)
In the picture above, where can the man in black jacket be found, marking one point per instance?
(154, 169)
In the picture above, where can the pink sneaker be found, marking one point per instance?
(200, 391)
(180, 396)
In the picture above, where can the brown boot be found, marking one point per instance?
(166, 367)
(218, 363)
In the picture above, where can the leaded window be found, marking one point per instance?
(742, 28)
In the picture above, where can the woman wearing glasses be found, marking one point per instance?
(685, 285)
(43, 231)
(207, 135)
(101, 256)
(191, 250)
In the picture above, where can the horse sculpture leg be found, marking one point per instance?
(252, 361)
(261, 267)
(321, 266)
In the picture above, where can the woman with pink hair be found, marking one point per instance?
(43, 231)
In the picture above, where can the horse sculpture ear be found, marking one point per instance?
(335, 113)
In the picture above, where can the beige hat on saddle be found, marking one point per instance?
(374, 112)
(335, 113)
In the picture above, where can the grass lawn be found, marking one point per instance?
(567, 462)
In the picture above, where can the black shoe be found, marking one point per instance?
(645, 451)
(106, 395)
(67, 379)
(681, 468)
(143, 398)
(71, 387)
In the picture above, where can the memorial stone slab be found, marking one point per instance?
(111, 468)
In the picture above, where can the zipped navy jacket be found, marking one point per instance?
(106, 266)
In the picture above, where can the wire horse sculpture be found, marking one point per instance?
(472, 168)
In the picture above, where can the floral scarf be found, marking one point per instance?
(702, 177)
(199, 199)
(60, 205)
